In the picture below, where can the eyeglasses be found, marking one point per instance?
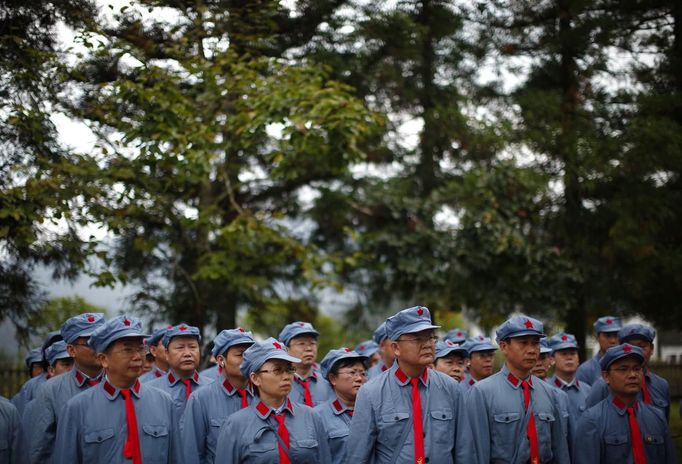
(303, 344)
(624, 370)
(278, 371)
(420, 340)
(131, 351)
(361, 374)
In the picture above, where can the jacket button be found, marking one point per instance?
(443, 416)
(396, 418)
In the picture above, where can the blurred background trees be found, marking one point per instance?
(253, 157)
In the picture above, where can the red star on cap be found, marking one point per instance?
(277, 345)
(420, 311)
(361, 347)
(627, 348)
(241, 329)
(126, 322)
(609, 321)
(564, 338)
(459, 334)
(528, 324)
(450, 343)
(347, 350)
(481, 337)
(182, 328)
(169, 327)
(302, 324)
(91, 318)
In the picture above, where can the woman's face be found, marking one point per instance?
(348, 380)
(274, 378)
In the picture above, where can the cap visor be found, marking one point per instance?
(564, 346)
(527, 332)
(284, 357)
(418, 327)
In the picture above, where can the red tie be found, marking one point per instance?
(284, 435)
(350, 412)
(638, 455)
(242, 393)
(188, 387)
(93, 382)
(532, 432)
(645, 391)
(419, 457)
(307, 397)
(131, 449)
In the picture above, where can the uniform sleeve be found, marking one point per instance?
(363, 430)
(67, 443)
(584, 372)
(560, 436)
(41, 437)
(194, 432)
(587, 447)
(19, 400)
(227, 447)
(323, 445)
(476, 414)
(176, 453)
(16, 438)
(461, 452)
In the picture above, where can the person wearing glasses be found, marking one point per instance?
(120, 420)
(655, 389)
(346, 371)
(309, 387)
(410, 413)
(53, 395)
(273, 429)
(182, 343)
(480, 359)
(623, 428)
(207, 408)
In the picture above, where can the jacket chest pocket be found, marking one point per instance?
(616, 447)
(213, 432)
(98, 445)
(503, 432)
(391, 426)
(155, 439)
(544, 422)
(305, 451)
(443, 427)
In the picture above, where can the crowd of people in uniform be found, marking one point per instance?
(403, 397)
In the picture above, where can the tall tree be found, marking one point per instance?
(208, 138)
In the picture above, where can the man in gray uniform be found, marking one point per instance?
(606, 332)
(514, 416)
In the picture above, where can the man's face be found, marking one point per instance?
(159, 352)
(123, 360)
(232, 360)
(415, 349)
(541, 368)
(386, 349)
(37, 369)
(183, 355)
(522, 353)
(82, 354)
(646, 346)
(606, 340)
(304, 347)
(452, 365)
(625, 376)
(566, 361)
(481, 364)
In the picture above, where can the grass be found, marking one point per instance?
(676, 427)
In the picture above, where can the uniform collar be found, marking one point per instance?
(471, 381)
(157, 371)
(230, 389)
(513, 380)
(263, 411)
(81, 378)
(561, 383)
(173, 378)
(312, 376)
(339, 408)
(403, 379)
(619, 406)
(112, 392)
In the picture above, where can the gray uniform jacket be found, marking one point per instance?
(604, 434)
(207, 410)
(94, 429)
(320, 390)
(249, 436)
(336, 419)
(12, 441)
(48, 406)
(499, 421)
(590, 371)
(172, 384)
(381, 431)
